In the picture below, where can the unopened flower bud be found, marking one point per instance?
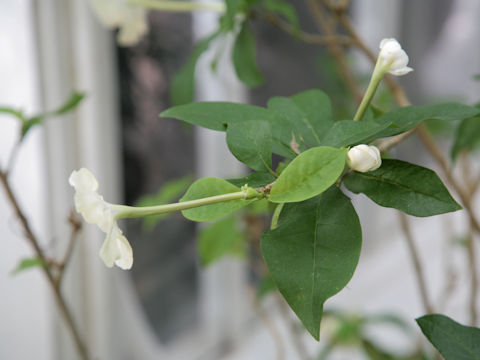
(393, 58)
(364, 158)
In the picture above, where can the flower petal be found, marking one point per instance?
(393, 58)
(131, 20)
(133, 28)
(364, 158)
(402, 71)
(83, 180)
(126, 253)
(116, 249)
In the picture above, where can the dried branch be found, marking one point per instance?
(271, 328)
(417, 264)
(295, 336)
(308, 38)
(473, 279)
(76, 226)
(437, 154)
(28, 233)
(327, 28)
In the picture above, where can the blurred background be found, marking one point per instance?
(168, 306)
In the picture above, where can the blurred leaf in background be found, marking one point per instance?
(169, 192)
(28, 263)
(71, 103)
(221, 238)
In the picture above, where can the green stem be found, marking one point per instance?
(377, 76)
(124, 211)
(276, 215)
(179, 6)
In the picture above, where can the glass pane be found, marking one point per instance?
(156, 151)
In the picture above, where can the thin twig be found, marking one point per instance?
(75, 225)
(64, 310)
(13, 156)
(417, 265)
(448, 290)
(437, 154)
(271, 328)
(335, 49)
(296, 339)
(466, 169)
(475, 186)
(303, 36)
(389, 143)
(473, 279)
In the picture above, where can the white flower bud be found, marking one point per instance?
(393, 57)
(116, 248)
(364, 158)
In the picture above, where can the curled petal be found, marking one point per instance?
(83, 180)
(117, 250)
(402, 71)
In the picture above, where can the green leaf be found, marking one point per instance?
(259, 208)
(72, 102)
(349, 132)
(168, 193)
(453, 340)
(220, 239)
(216, 115)
(244, 58)
(309, 174)
(406, 118)
(183, 83)
(390, 319)
(233, 7)
(28, 263)
(410, 188)
(14, 112)
(251, 143)
(467, 136)
(30, 123)
(207, 187)
(313, 253)
(375, 352)
(255, 179)
(284, 9)
(266, 286)
(309, 114)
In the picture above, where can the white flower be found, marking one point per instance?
(393, 57)
(131, 20)
(364, 158)
(116, 249)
